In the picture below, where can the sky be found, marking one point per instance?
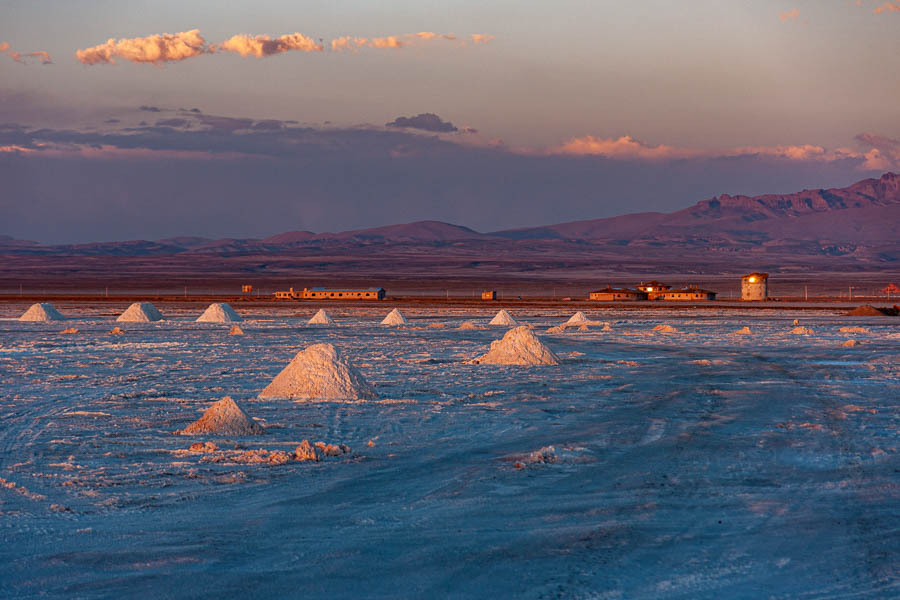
(153, 119)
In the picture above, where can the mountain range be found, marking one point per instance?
(850, 230)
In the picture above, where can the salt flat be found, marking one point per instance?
(693, 464)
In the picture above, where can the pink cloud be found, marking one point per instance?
(261, 46)
(18, 57)
(400, 41)
(789, 15)
(887, 7)
(625, 147)
(478, 38)
(153, 49)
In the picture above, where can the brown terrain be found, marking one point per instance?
(820, 242)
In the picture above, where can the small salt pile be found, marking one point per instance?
(321, 318)
(854, 330)
(743, 331)
(219, 313)
(801, 331)
(665, 329)
(42, 312)
(849, 343)
(224, 417)
(116, 331)
(577, 319)
(319, 371)
(395, 317)
(503, 318)
(140, 312)
(468, 325)
(518, 347)
(235, 330)
(796, 322)
(69, 330)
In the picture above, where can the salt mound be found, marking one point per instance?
(395, 317)
(743, 331)
(468, 325)
(219, 313)
(796, 322)
(606, 327)
(69, 330)
(42, 312)
(518, 347)
(801, 331)
(235, 330)
(116, 331)
(853, 330)
(872, 311)
(557, 329)
(321, 318)
(140, 312)
(849, 343)
(503, 318)
(319, 371)
(665, 329)
(577, 319)
(224, 417)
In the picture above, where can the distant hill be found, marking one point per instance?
(867, 212)
(860, 223)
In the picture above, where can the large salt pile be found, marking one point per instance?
(224, 417)
(321, 318)
(518, 347)
(140, 312)
(395, 317)
(503, 318)
(319, 371)
(219, 313)
(577, 319)
(42, 312)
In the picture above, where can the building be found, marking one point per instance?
(489, 295)
(246, 289)
(611, 294)
(320, 293)
(755, 286)
(653, 289)
(688, 293)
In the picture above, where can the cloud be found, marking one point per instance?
(146, 108)
(887, 151)
(261, 46)
(887, 7)
(478, 38)
(153, 49)
(883, 153)
(423, 121)
(173, 123)
(789, 15)
(623, 147)
(42, 56)
(399, 41)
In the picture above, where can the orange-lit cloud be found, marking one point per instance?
(885, 152)
(887, 7)
(789, 15)
(44, 57)
(625, 147)
(401, 41)
(262, 45)
(478, 38)
(153, 49)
